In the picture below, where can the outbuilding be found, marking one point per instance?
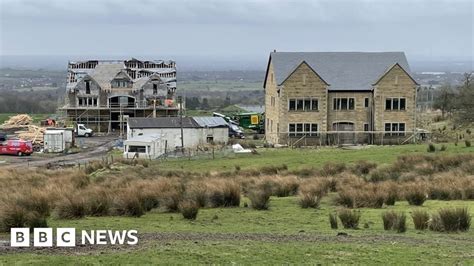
(58, 139)
(144, 147)
(196, 130)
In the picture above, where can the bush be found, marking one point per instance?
(309, 200)
(435, 223)
(12, 216)
(363, 167)
(349, 218)
(332, 168)
(431, 147)
(467, 143)
(127, 203)
(36, 201)
(99, 202)
(189, 209)
(420, 219)
(415, 195)
(457, 219)
(71, 207)
(443, 147)
(260, 198)
(333, 220)
(286, 186)
(394, 221)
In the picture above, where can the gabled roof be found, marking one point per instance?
(390, 68)
(342, 70)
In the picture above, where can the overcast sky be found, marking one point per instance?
(240, 29)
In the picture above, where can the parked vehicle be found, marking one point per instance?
(3, 136)
(17, 147)
(82, 131)
(235, 131)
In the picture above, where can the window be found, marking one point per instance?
(395, 104)
(344, 103)
(80, 102)
(366, 102)
(366, 127)
(302, 129)
(307, 104)
(299, 105)
(155, 89)
(95, 101)
(394, 129)
(210, 139)
(88, 87)
(139, 149)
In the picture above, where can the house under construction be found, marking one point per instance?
(103, 93)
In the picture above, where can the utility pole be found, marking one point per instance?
(180, 101)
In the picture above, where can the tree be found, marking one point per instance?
(205, 104)
(466, 99)
(445, 100)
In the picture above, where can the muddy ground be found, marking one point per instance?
(92, 148)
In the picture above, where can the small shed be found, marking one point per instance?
(58, 139)
(144, 147)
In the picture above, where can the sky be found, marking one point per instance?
(235, 30)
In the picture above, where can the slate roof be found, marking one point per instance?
(162, 122)
(174, 122)
(341, 70)
(210, 121)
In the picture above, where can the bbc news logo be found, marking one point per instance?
(66, 237)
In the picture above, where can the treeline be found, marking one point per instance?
(29, 101)
(457, 101)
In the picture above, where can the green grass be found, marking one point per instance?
(370, 245)
(36, 117)
(220, 85)
(297, 158)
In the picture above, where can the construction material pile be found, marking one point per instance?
(18, 120)
(21, 126)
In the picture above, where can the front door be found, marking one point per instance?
(343, 137)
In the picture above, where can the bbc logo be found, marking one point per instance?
(43, 237)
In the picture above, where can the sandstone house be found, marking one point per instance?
(321, 98)
(103, 93)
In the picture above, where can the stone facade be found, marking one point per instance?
(364, 122)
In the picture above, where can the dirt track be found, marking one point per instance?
(96, 147)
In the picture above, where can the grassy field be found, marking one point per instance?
(283, 234)
(220, 85)
(298, 158)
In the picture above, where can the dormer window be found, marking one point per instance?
(88, 87)
(155, 89)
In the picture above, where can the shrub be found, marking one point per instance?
(127, 203)
(332, 168)
(349, 218)
(309, 200)
(431, 147)
(99, 202)
(286, 186)
(346, 198)
(36, 201)
(457, 219)
(260, 198)
(415, 195)
(333, 220)
(71, 207)
(231, 194)
(363, 167)
(394, 221)
(420, 219)
(189, 209)
(435, 223)
(443, 147)
(467, 143)
(198, 193)
(224, 193)
(12, 216)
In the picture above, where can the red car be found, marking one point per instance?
(16, 147)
